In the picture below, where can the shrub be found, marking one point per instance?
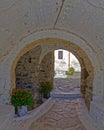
(45, 88)
(20, 97)
(71, 69)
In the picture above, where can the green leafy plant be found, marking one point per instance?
(71, 70)
(20, 97)
(45, 89)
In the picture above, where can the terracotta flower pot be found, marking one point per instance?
(71, 73)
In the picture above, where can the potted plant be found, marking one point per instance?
(71, 70)
(45, 89)
(20, 99)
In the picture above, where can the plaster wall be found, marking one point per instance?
(33, 22)
(80, 22)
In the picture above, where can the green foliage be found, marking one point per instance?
(20, 97)
(45, 88)
(71, 69)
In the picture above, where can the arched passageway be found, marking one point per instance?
(35, 62)
(67, 77)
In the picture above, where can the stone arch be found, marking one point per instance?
(50, 44)
(49, 47)
(50, 36)
(87, 70)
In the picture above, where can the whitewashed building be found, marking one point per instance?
(64, 60)
(74, 63)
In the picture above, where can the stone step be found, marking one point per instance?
(66, 96)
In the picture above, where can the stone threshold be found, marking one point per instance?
(66, 96)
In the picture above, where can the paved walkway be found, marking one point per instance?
(67, 85)
(63, 114)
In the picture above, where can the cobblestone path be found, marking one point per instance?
(64, 114)
(59, 113)
(67, 85)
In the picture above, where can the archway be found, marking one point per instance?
(49, 45)
(55, 36)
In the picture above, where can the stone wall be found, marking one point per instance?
(88, 97)
(31, 72)
(27, 70)
(47, 69)
(37, 66)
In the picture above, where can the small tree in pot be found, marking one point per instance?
(71, 70)
(20, 99)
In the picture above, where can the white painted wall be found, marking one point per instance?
(62, 64)
(74, 63)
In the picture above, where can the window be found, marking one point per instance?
(60, 54)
